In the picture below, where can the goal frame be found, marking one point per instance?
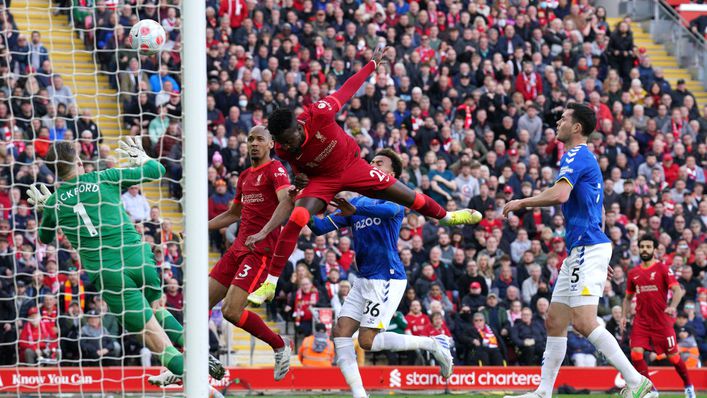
(196, 314)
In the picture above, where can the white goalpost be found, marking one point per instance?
(196, 213)
(89, 71)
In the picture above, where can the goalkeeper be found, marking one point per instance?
(89, 210)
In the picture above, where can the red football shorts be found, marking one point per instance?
(658, 341)
(241, 267)
(359, 176)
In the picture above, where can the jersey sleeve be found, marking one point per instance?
(321, 226)
(279, 176)
(630, 286)
(324, 111)
(126, 177)
(352, 85)
(571, 169)
(239, 190)
(47, 229)
(670, 277)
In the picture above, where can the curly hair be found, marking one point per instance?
(280, 120)
(395, 160)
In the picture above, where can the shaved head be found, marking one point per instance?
(260, 130)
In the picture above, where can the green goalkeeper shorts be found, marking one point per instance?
(130, 291)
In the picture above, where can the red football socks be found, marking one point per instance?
(288, 240)
(426, 206)
(639, 363)
(254, 325)
(640, 366)
(681, 369)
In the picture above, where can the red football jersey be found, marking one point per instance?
(417, 324)
(651, 286)
(257, 192)
(327, 149)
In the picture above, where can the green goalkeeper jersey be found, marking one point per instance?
(90, 213)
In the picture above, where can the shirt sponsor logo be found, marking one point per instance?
(367, 222)
(253, 198)
(82, 187)
(646, 289)
(566, 170)
(326, 152)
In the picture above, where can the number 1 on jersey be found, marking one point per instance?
(81, 211)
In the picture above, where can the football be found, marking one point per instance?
(147, 37)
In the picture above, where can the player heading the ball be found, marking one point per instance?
(314, 144)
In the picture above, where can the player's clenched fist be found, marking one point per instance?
(132, 149)
(301, 181)
(38, 196)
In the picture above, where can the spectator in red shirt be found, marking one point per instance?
(491, 220)
(437, 326)
(346, 255)
(529, 83)
(50, 313)
(37, 341)
(670, 169)
(426, 53)
(304, 299)
(558, 247)
(416, 319)
(603, 112)
(237, 10)
(175, 298)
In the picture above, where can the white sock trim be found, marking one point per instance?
(272, 279)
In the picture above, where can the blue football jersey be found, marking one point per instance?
(583, 210)
(375, 226)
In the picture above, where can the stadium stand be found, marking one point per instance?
(470, 102)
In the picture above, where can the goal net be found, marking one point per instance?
(68, 74)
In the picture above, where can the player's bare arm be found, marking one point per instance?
(555, 195)
(626, 310)
(282, 211)
(678, 294)
(450, 184)
(435, 187)
(227, 218)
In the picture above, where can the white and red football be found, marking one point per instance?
(147, 37)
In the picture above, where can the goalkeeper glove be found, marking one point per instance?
(132, 149)
(37, 197)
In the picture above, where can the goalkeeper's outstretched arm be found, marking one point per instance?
(142, 167)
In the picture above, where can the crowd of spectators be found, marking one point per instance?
(469, 100)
